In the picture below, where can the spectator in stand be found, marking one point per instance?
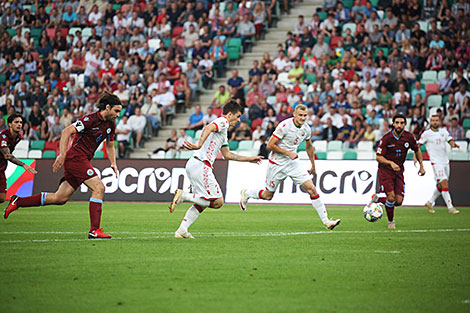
(321, 47)
(461, 95)
(66, 118)
(209, 117)
(151, 112)
(196, 120)
(123, 135)
(56, 130)
(251, 96)
(242, 132)
(182, 138)
(330, 132)
(137, 122)
(221, 97)
(246, 30)
(455, 130)
(357, 132)
(181, 90)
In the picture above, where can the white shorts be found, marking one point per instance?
(202, 180)
(441, 171)
(278, 173)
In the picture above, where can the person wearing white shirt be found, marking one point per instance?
(336, 119)
(166, 102)
(209, 117)
(122, 94)
(461, 95)
(137, 122)
(66, 62)
(94, 15)
(123, 135)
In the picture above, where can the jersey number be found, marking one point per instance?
(398, 152)
(296, 141)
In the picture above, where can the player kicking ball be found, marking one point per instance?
(89, 132)
(435, 140)
(205, 188)
(9, 138)
(391, 155)
(284, 162)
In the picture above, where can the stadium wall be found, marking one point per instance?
(339, 182)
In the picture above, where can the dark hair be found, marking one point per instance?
(233, 107)
(14, 116)
(399, 115)
(108, 98)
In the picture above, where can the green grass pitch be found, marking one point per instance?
(272, 258)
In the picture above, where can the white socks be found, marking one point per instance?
(253, 193)
(447, 199)
(191, 197)
(321, 210)
(190, 217)
(434, 196)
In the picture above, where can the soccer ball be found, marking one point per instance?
(373, 212)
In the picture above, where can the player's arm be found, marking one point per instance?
(229, 155)
(311, 155)
(273, 146)
(63, 145)
(419, 157)
(206, 131)
(453, 144)
(112, 155)
(10, 157)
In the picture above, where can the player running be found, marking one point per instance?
(284, 162)
(9, 138)
(435, 140)
(205, 188)
(391, 154)
(89, 132)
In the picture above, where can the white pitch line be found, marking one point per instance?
(161, 235)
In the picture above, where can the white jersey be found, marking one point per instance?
(290, 137)
(435, 142)
(214, 141)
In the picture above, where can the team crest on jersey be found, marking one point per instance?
(89, 172)
(407, 145)
(4, 136)
(86, 119)
(108, 131)
(302, 133)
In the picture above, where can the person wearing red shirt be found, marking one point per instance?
(89, 132)
(173, 71)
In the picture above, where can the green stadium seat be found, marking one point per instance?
(466, 124)
(351, 26)
(322, 15)
(233, 54)
(191, 133)
(350, 155)
(374, 3)
(301, 146)
(49, 154)
(348, 4)
(423, 148)
(233, 145)
(3, 79)
(37, 145)
(429, 77)
(321, 155)
(11, 32)
(99, 154)
(385, 50)
(409, 155)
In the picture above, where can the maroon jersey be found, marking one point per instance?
(92, 129)
(395, 149)
(7, 141)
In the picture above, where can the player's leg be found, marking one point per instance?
(95, 207)
(447, 198)
(390, 208)
(319, 206)
(60, 197)
(439, 176)
(275, 175)
(3, 196)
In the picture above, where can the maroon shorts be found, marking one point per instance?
(76, 171)
(392, 181)
(3, 182)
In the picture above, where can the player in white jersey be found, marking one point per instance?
(205, 188)
(435, 139)
(284, 162)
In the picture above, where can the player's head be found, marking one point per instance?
(300, 114)
(435, 122)
(15, 122)
(110, 106)
(399, 122)
(232, 111)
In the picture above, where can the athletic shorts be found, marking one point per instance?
(278, 173)
(202, 180)
(392, 181)
(76, 171)
(441, 171)
(3, 182)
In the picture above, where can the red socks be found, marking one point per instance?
(95, 213)
(30, 201)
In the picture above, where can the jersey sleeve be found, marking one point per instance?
(413, 143)
(220, 124)
(280, 131)
(448, 137)
(382, 147)
(83, 123)
(4, 141)
(423, 139)
(112, 134)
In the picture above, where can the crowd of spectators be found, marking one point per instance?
(56, 57)
(355, 65)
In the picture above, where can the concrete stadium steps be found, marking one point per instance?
(274, 36)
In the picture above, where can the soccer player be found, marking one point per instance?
(205, 188)
(435, 140)
(89, 132)
(391, 154)
(9, 138)
(284, 162)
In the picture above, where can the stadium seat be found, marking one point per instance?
(385, 50)
(185, 154)
(434, 101)
(463, 146)
(351, 26)
(21, 154)
(233, 54)
(321, 155)
(177, 32)
(429, 77)
(99, 154)
(441, 74)
(432, 89)
(171, 154)
(158, 156)
(11, 32)
(423, 25)
(334, 155)
(365, 155)
(35, 154)
(458, 156)
(51, 146)
(81, 80)
(365, 146)
(50, 33)
(466, 124)
(320, 145)
(423, 148)
(49, 154)
(335, 145)
(350, 155)
(409, 155)
(191, 133)
(23, 145)
(233, 145)
(255, 123)
(322, 15)
(197, 134)
(248, 153)
(24, 30)
(37, 145)
(154, 44)
(374, 3)
(245, 145)
(301, 146)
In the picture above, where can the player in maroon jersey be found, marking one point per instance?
(9, 138)
(391, 154)
(89, 132)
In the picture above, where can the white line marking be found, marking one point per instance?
(466, 301)
(160, 235)
(383, 251)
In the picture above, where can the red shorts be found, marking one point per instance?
(76, 171)
(392, 181)
(3, 182)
